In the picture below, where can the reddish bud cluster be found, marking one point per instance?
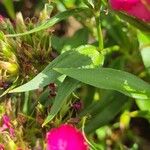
(77, 105)
(53, 88)
(4, 85)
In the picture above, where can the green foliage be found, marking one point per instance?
(79, 38)
(109, 106)
(9, 7)
(107, 78)
(52, 21)
(100, 72)
(62, 95)
(88, 55)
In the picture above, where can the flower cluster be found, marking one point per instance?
(66, 137)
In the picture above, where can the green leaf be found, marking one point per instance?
(143, 105)
(135, 22)
(96, 106)
(52, 21)
(107, 78)
(83, 56)
(107, 109)
(9, 7)
(144, 41)
(67, 43)
(66, 88)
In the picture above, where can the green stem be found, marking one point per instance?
(25, 106)
(83, 126)
(99, 32)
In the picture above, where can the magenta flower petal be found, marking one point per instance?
(6, 120)
(12, 132)
(134, 8)
(7, 125)
(3, 128)
(66, 137)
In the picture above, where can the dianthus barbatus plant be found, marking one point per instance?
(20, 56)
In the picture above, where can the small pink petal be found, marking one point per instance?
(66, 137)
(6, 120)
(3, 128)
(12, 132)
(1, 18)
(7, 125)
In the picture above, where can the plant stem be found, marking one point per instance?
(83, 126)
(99, 32)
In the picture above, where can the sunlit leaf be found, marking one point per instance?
(144, 40)
(107, 78)
(83, 57)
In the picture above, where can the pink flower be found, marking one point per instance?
(1, 146)
(6, 125)
(66, 137)
(1, 18)
(137, 8)
(6, 121)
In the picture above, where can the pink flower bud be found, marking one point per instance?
(1, 18)
(137, 8)
(66, 137)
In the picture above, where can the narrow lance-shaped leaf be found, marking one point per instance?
(66, 88)
(9, 7)
(108, 109)
(52, 21)
(107, 78)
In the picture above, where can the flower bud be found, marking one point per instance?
(45, 14)
(6, 51)
(11, 68)
(20, 25)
